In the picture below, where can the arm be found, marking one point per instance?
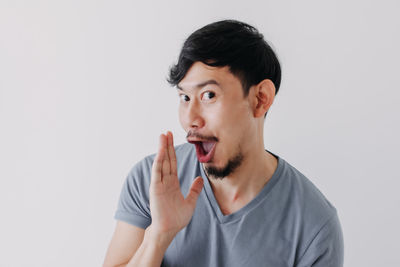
(170, 211)
(327, 247)
(134, 246)
(124, 243)
(151, 250)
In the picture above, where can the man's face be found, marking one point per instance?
(217, 117)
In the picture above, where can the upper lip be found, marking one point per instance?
(196, 140)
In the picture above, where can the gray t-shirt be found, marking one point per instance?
(289, 223)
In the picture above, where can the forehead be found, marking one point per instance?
(200, 73)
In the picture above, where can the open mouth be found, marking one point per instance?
(204, 150)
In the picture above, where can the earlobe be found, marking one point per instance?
(264, 95)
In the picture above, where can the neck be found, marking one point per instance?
(239, 188)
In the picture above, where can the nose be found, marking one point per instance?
(193, 115)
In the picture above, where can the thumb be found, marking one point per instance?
(194, 191)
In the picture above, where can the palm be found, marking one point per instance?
(170, 211)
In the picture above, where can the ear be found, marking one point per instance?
(264, 93)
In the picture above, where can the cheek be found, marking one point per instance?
(234, 116)
(225, 123)
(216, 118)
(235, 123)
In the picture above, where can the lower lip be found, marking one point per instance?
(204, 158)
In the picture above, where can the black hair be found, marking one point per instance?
(229, 43)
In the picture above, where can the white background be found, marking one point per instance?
(83, 97)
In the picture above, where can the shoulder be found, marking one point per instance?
(313, 215)
(310, 201)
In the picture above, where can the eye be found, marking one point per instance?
(208, 95)
(184, 98)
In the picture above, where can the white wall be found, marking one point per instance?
(83, 97)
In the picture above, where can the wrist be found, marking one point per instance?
(160, 239)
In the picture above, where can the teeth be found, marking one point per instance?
(207, 146)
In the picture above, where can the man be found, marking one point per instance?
(245, 206)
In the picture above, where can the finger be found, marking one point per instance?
(166, 168)
(171, 154)
(158, 161)
(194, 191)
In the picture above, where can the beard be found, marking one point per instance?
(229, 168)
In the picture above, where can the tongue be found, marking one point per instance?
(207, 146)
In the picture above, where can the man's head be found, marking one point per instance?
(227, 77)
(229, 43)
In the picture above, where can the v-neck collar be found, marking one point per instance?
(249, 206)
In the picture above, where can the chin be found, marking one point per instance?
(219, 172)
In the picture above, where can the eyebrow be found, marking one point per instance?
(200, 85)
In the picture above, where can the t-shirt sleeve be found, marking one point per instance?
(133, 205)
(326, 248)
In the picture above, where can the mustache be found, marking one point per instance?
(200, 136)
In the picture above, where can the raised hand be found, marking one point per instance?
(170, 211)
